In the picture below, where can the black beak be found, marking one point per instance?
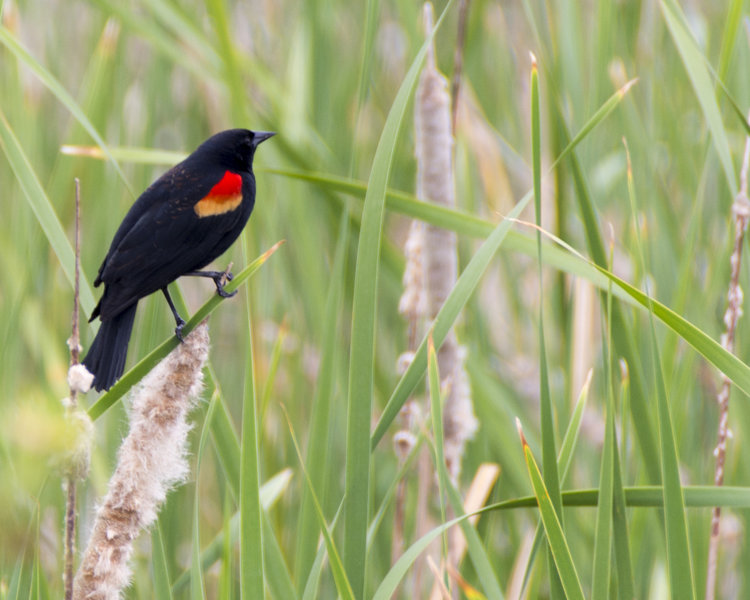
(262, 136)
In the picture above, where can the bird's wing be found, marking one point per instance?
(163, 240)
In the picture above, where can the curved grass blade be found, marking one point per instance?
(696, 496)
(364, 304)
(564, 462)
(54, 86)
(160, 570)
(558, 545)
(693, 61)
(147, 28)
(706, 346)
(393, 578)
(43, 210)
(269, 493)
(623, 564)
(397, 201)
(600, 584)
(252, 579)
(549, 452)
(477, 552)
(678, 547)
(343, 586)
(131, 154)
(137, 373)
(197, 590)
(318, 447)
(465, 286)
(436, 414)
(621, 332)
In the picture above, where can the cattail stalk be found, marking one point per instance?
(741, 214)
(435, 183)
(151, 460)
(431, 272)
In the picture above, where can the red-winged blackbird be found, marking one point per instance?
(183, 221)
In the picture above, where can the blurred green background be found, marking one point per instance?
(163, 74)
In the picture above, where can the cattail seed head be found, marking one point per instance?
(151, 460)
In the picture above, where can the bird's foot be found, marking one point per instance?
(178, 330)
(221, 279)
(223, 293)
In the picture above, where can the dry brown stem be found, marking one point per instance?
(741, 215)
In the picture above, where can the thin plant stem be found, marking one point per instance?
(75, 351)
(458, 60)
(741, 214)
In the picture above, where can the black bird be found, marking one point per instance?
(183, 221)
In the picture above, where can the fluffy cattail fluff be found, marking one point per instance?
(413, 303)
(435, 183)
(151, 460)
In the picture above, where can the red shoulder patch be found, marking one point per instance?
(229, 185)
(224, 197)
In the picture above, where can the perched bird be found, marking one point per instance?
(183, 221)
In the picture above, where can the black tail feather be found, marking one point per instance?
(106, 357)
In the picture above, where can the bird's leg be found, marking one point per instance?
(220, 280)
(177, 318)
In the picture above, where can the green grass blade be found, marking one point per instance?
(343, 586)
(39, 586)
(275, 567)
(396, 574)
(564, 462)
(729, 37)
(693, 61)
(232, 75)
(14, 585)
(553, 529)
(313, 579)
(147, 28)
(603, 535)
(466, 284)
(696, 496)
(54, 86)
(621, 332)
(227, 445)
(623, 565)
(318, 447)
(678, 548)
(159, 568)
(139, 371)
(549, 450)
(475, 548)
(436, 415)
(226, 577)
(600, 583)
(197, 589)
(129, 154)
(252, 582)
(707, 347)
(390, 494)
(270, 492)
(361, 361)
(43, 210)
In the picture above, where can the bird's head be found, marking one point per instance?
(235, 148)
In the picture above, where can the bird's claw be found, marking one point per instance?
(221, 281)
(178, 331)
